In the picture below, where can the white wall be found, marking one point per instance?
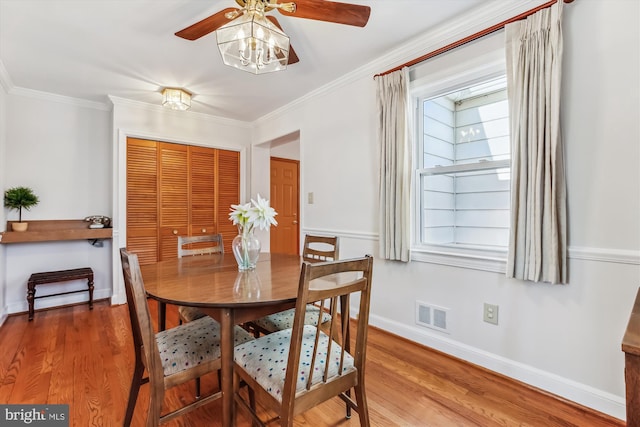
(289, 150)
(565, 339)
(61, 149)
(3, 141)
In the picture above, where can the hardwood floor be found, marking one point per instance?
(85, 359)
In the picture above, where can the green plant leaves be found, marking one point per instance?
(20, 197)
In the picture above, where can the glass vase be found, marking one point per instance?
(246, 249)
(247, 285)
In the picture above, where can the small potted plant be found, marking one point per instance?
(18, 198)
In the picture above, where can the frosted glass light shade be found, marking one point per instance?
(176, 99)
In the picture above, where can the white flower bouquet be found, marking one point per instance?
(255, 213)
(246, 247)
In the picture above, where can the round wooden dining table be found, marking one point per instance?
(214, 284)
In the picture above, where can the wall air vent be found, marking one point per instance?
(432, 316)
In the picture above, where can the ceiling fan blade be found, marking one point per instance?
(293, 58)
(330, 11)
(207, 25)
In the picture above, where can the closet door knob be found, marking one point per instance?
(204, 230)
(175, 231)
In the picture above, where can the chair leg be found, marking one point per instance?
(198, 388)
(252, 398)
(138, 371)
(348, 414)
(156, 395)
(363, 408)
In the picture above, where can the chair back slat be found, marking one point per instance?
(200, 245)
(320, 248)
(329, 284)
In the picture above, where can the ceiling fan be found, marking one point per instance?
(319, 10)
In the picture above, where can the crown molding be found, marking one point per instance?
(10, 88)
(483, 16)
(124, 102)
(61, 99)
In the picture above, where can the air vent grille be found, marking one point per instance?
(432, 316)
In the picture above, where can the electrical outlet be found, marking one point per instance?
(491, 313)
(310, 197)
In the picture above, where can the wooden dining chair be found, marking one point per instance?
(170, 357)
(293, 370)
(200, 245)
(316, 249)
(197, 245)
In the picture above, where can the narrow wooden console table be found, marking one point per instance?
(55, 230)
(631, 348)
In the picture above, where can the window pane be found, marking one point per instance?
(470, 208)
(468, 205)
(493, 149)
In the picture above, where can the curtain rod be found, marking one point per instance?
(471, 38)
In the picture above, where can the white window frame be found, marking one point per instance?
(477, 258)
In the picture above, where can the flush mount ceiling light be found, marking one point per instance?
(176, 99)
(251, 42)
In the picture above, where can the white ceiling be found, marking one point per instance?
(89, 49)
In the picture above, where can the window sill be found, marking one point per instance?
(464, 257)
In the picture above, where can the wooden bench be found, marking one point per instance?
(55, 277)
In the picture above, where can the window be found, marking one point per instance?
(463, 168)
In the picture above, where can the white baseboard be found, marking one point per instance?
(582, 394)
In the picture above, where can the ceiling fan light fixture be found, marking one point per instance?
(252, 43)
(176, 98)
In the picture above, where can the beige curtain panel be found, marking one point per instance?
(394, 135)
(538, 236)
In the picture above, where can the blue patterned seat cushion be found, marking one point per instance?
(265, 359)
(284, 319)
(189, 314)
(193, 343)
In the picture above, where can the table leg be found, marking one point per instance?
(226, 362)
(162, 316)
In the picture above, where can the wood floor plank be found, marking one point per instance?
(85, 358)
(9, 343)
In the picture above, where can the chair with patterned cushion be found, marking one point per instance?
(171, 357)
(197, 245)
(316, 249)
(293, 370)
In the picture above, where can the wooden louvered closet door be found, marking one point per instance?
(202, 164)
(228, 185)
(142, 199)
(173, 201)
(178, 190)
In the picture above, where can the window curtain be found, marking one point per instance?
(538, 236)
(394, 135)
